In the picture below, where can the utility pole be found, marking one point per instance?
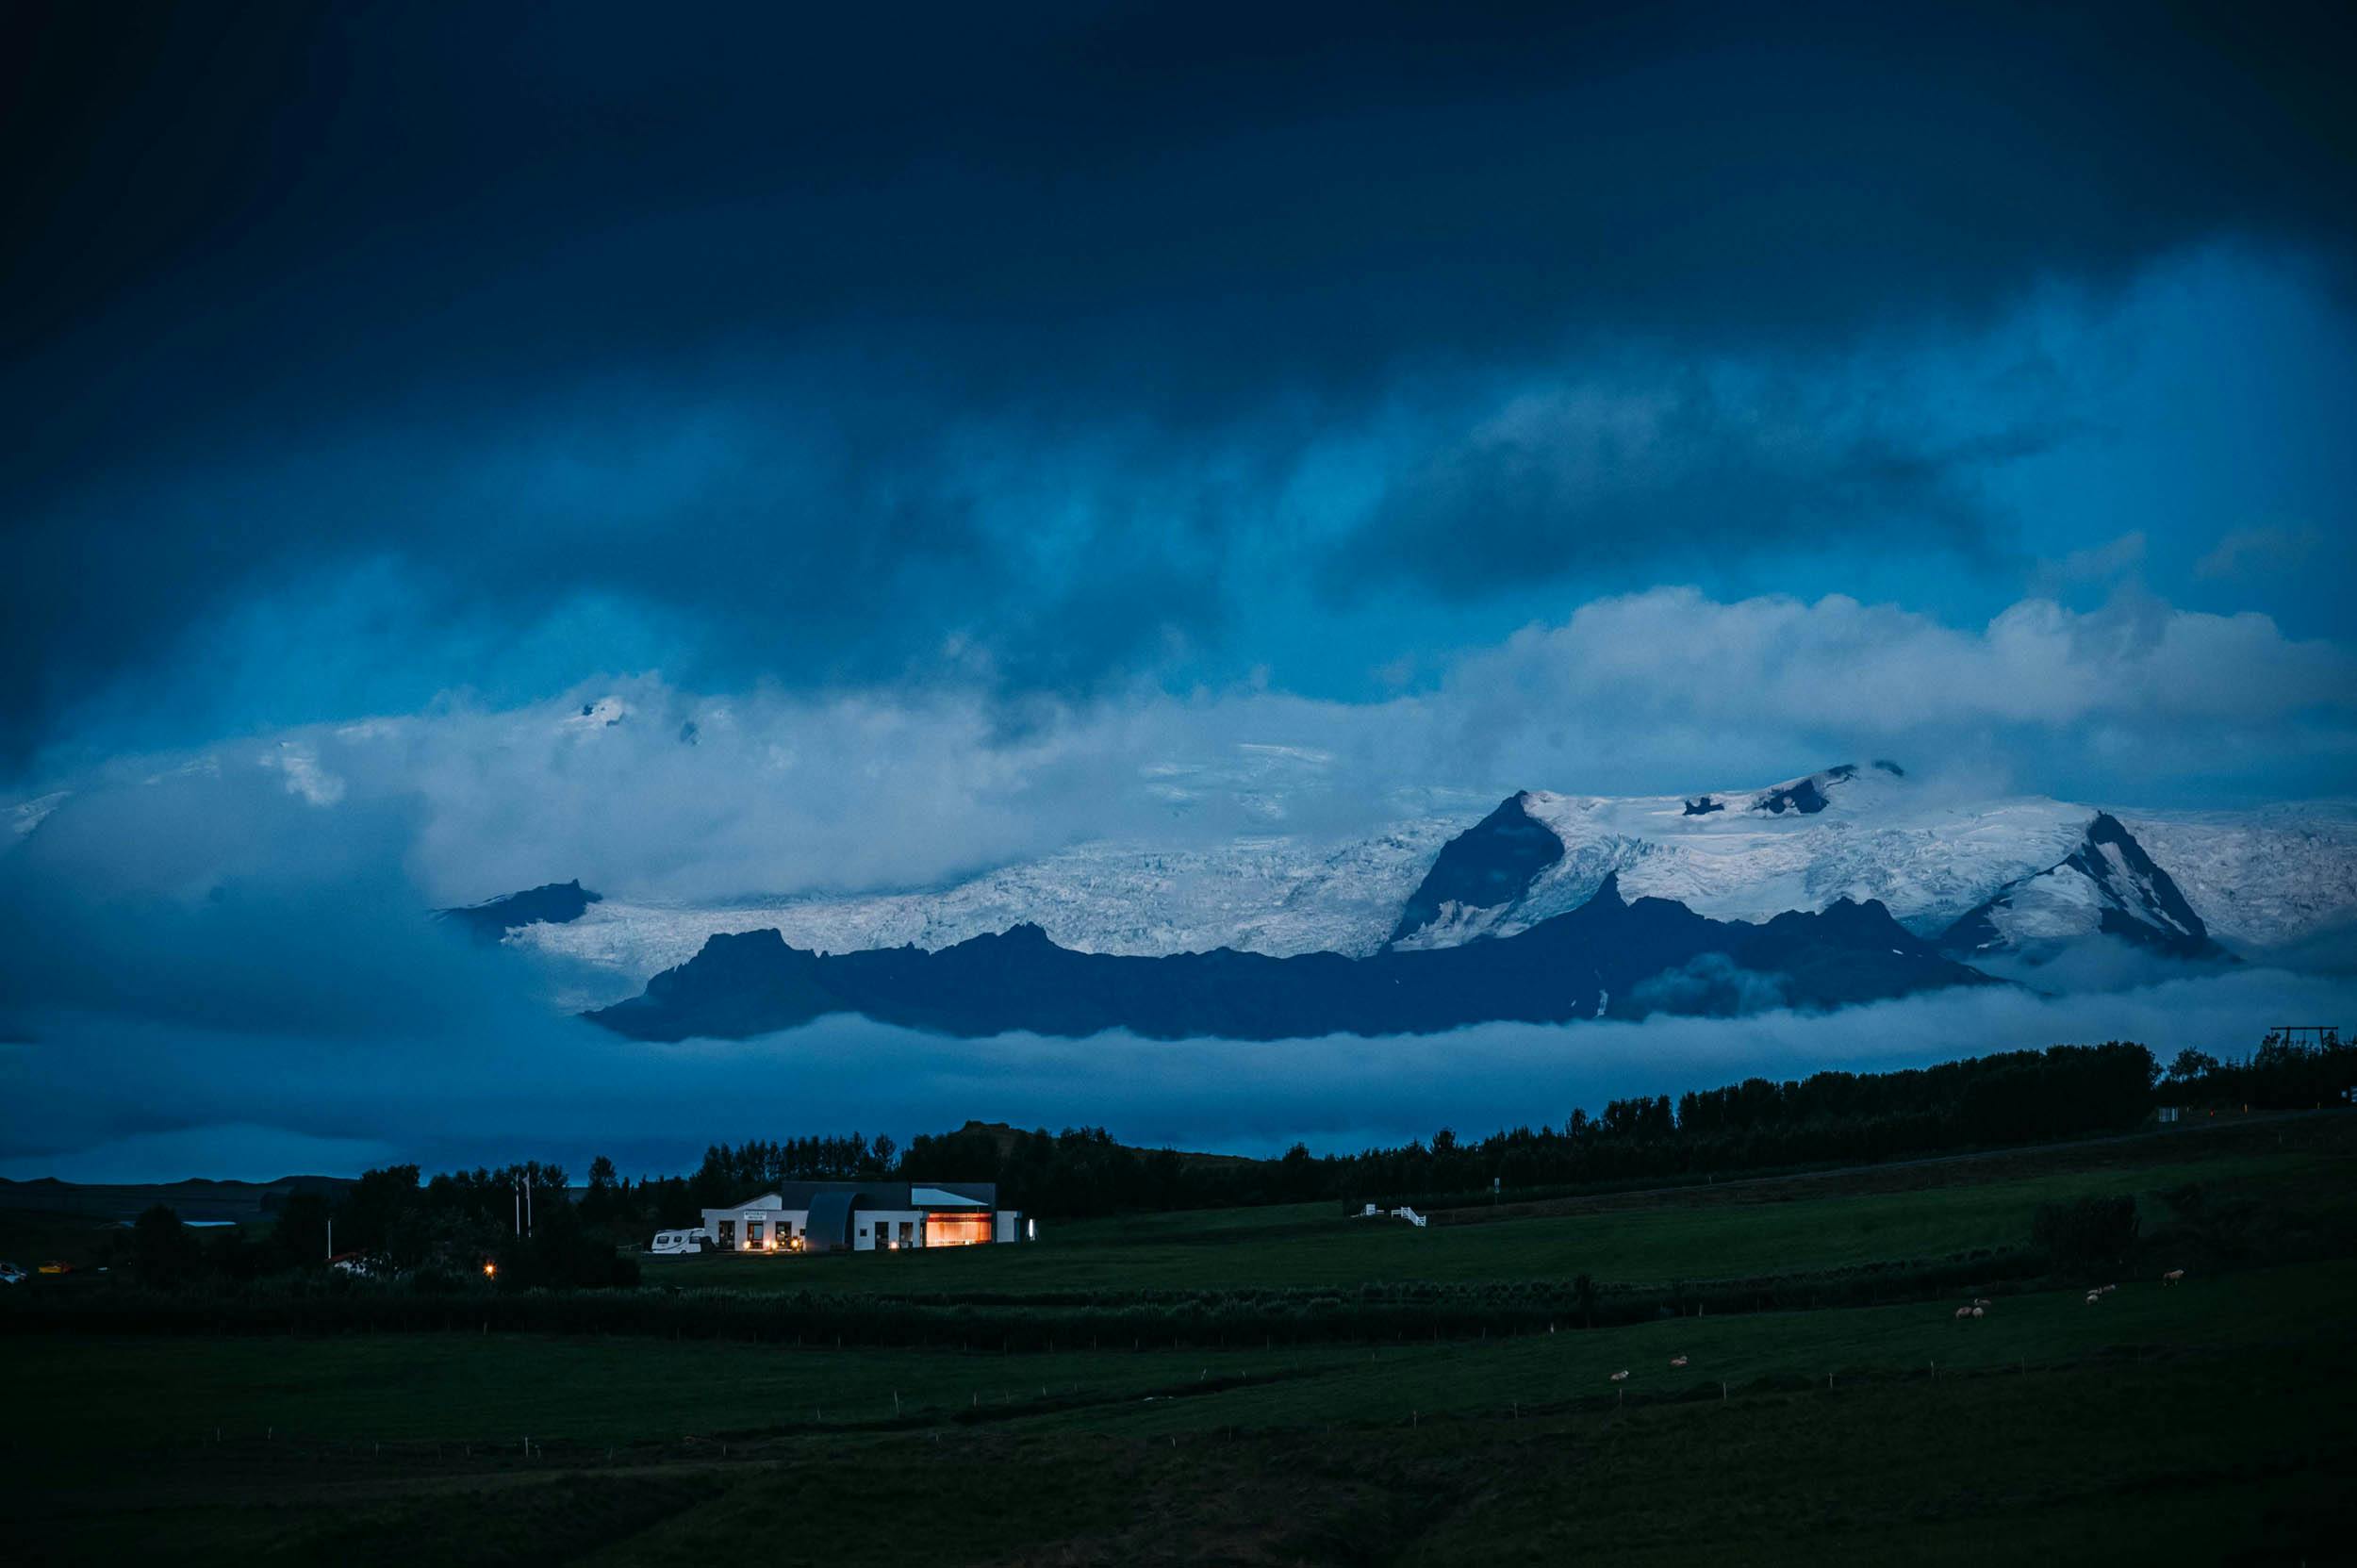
(331, 1240)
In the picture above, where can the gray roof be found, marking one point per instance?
(869, 1195)
(831, 1215)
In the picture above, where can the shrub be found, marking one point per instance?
(2085, 1232)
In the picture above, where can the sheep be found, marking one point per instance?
(2175, 1276)
(1620, 1377)
(1963, 1313)
(1677, 1360)
(1978, 1311)
(2108, 1289)
(1982, 1301)
(2093, 1297)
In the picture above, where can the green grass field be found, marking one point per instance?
(1780, 1227)
(2205, 1422)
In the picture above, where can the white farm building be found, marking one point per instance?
(863, 1216)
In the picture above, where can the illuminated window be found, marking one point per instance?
(956, 1229)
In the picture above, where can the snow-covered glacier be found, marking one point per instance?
(1928, 852)
(1746, 854)
(2262, 879)
(1277, 894)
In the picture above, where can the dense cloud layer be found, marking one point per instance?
(166, 1105)
(386, 351)
(643, 789)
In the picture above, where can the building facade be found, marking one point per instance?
(863, 1216)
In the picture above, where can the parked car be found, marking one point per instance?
(11, 1274)
(53, 1266)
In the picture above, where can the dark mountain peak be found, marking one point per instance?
(1862, 921)
(2107, 885)
(730, 955)
(1489, 866)
(555, 903)
(730, 945)
(1608, 958)
(2151, 897)
(740, 983)
(1805, 796)
(1890, 768)
(2107, 829)
(1025, 936)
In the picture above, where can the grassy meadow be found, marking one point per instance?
(2204, 1422)
(1789, 1227)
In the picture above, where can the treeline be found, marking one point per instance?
(2282, 1075)
(511, 1228)
(523, 1221)
(1827, 1119)
(753, 1165)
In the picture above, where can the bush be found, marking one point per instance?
(2085, 1232)
(321, 1303)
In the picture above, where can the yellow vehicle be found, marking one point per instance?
(53, 1266)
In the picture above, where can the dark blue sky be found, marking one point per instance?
(965, 422)
(498, 351)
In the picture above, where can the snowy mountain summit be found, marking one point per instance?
(1850, 832)
(1982, 875)
(2108, 885)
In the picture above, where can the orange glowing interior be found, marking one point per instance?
(956, 1229)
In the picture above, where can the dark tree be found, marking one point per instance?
(301, 1237)
(2191, 1065)
(163, 1253)
(603, 1201)
(2085, 1233)
(374, 1208)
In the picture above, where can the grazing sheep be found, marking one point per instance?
(1978, 1311)
(2108, 1289)
(1982, 1301)
(1621, 1376)
(2173, 1277)
(1677, 1360)
(1963, 1313)
(2093, 1297)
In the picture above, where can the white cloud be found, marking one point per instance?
(300, 761)
(645, 790)
(1876, 669)
(461, 1097)
(2245, 550)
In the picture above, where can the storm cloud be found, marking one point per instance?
(166, 1106)
(816, 351)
